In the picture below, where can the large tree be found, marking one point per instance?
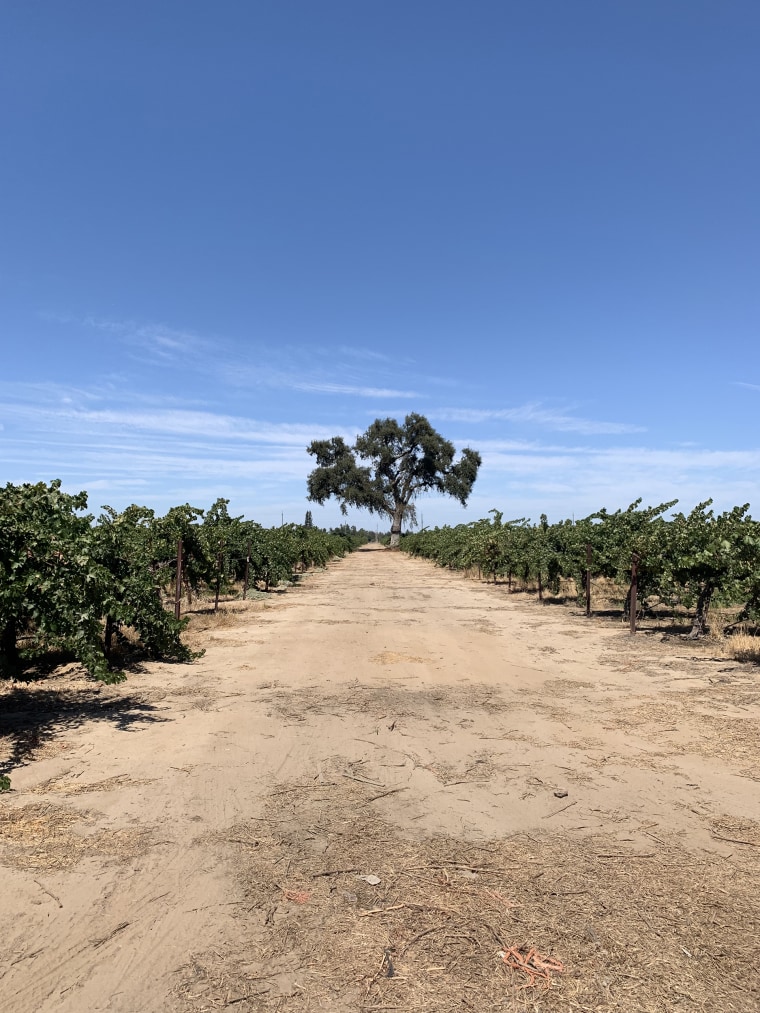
(388, 467)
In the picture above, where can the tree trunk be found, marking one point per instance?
(700, 619)
(398, 516)
(9, 660)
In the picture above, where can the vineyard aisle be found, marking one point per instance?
(404, 694)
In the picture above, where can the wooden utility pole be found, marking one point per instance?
(588, 580)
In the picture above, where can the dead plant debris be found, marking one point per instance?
(674, 932)
(48, 836)
(62, 786)
(381, 701)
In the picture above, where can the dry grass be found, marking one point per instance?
(736, 830)
(60, 786)
(649, 932)
(743, 647)
(47, 836)
(204, 622)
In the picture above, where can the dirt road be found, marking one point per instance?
(512, 775)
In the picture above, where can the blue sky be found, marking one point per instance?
(227, 229)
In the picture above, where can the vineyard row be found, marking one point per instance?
(698, 560)
(75, 584)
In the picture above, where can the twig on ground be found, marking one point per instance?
(427, 932)
(382, 910)
(624, 855)
(558, 811)
(363, 780)
(45, 890)
(332, 872)
(119, 928)
(385, 794)
(735, 840)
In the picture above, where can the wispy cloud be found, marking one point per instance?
(326, 387)
(617, 460)
(238, 425)
(308, 380)
(345, 370)
(157, 342)
(127, 447)
(535, 413)
(366, 354)
(170, 422)
(115, 389)
(379, 360)
(579, 480)
(154, 455)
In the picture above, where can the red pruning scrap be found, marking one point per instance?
(532, 963)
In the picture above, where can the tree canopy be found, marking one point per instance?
(388, 467)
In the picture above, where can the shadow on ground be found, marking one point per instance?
(32, 717)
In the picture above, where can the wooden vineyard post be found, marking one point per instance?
(178, 587)
(247, 568)
(588, 580)
(634, 589)
(108, 636)
(218, 581)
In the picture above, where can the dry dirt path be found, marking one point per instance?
(478, 754)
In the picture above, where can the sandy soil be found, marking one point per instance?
(514, 776)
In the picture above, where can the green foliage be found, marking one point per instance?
(277, 554)
(402, 461)
(183, 522)
(711, 557)
(274, 555)
(221, 537)
(70, 584)
(351, 537)
(616, 537)
(5, 783)
(132, 597)
(52, 583)
(693, 559)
